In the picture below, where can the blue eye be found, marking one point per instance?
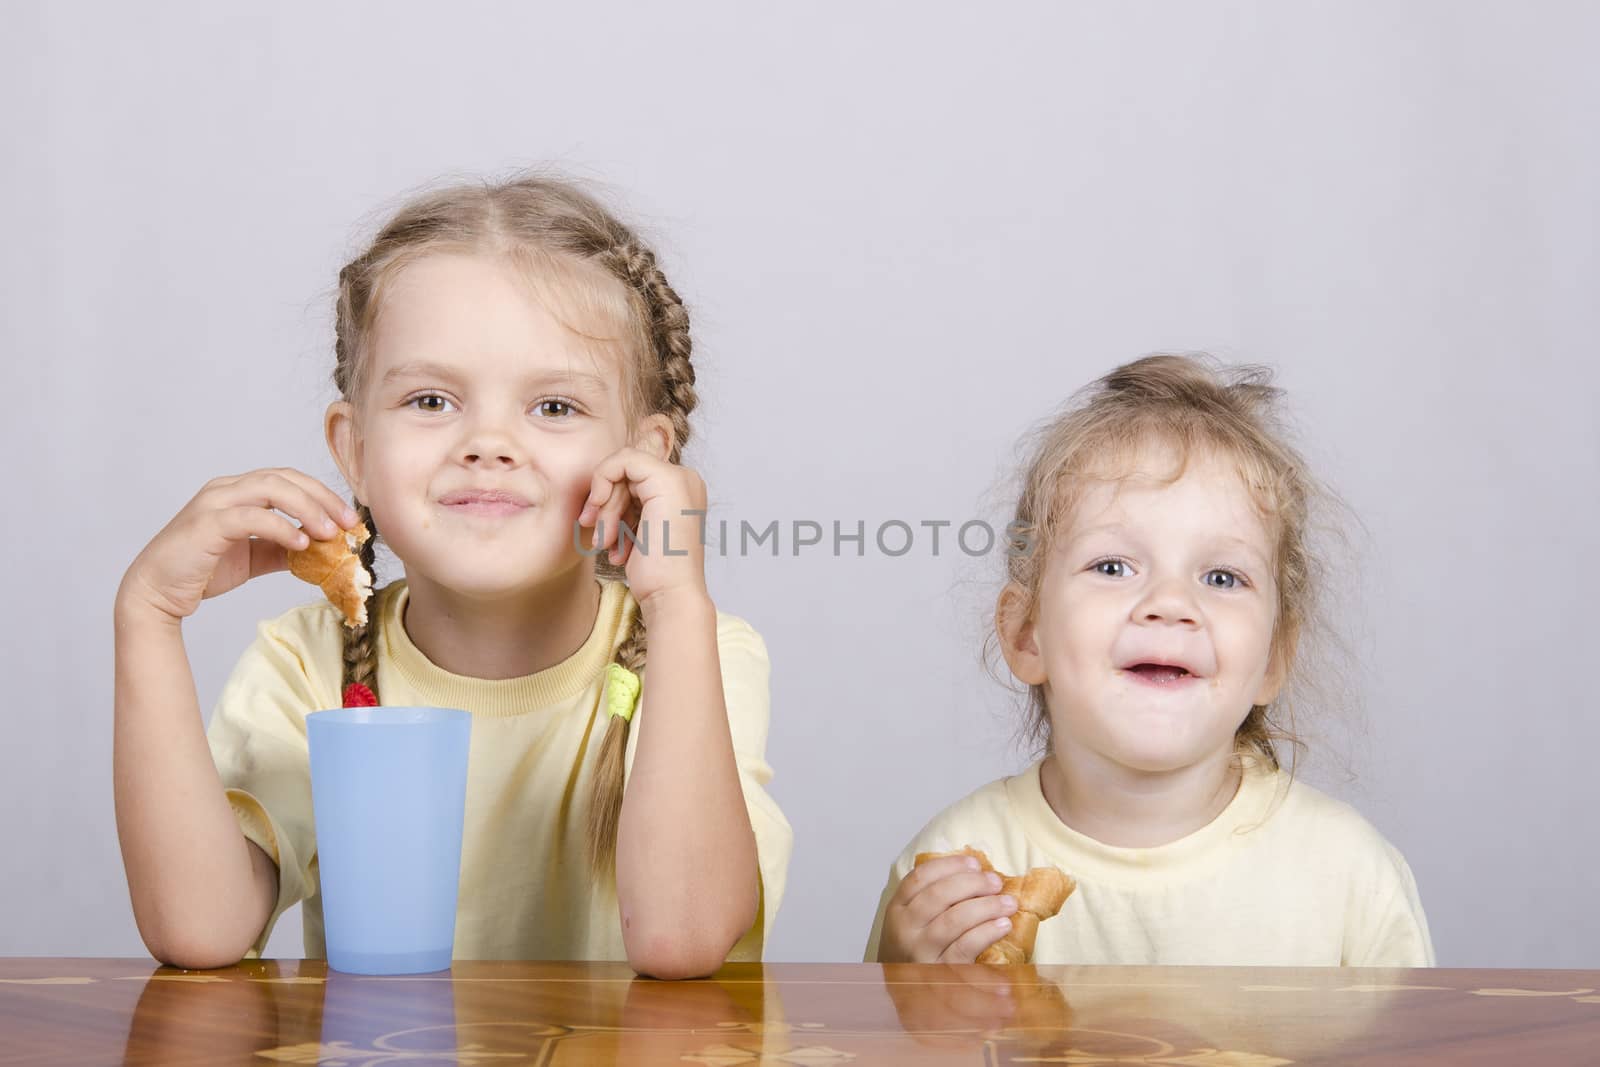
(1108, 567)
(1222, 578)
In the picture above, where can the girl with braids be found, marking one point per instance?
(514, 383)
(1160, 602)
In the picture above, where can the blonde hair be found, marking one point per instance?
(583, 265)
(1189, 403)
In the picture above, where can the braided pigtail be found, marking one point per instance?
(673, 380)
(361, 642)
(669, 390)
(605, 803)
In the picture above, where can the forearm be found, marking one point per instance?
(195, 887)
(687, 880)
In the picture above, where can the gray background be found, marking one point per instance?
(906, 232)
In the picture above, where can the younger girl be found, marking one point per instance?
(514, 380)
(1155, 613)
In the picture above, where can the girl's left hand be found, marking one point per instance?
(659, 501)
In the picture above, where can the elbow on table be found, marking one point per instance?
(192, 950)
(681, 941)
(677, 954)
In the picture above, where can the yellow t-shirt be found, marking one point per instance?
(1284, 876)
(526, 891)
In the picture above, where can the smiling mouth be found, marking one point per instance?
(486, 507)
(1159, 674)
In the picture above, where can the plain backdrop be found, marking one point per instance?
(906, 232)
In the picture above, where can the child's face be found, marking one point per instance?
(1150, 574)
(481, 424)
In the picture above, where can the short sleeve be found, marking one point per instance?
(257, 737)
(896, 876)
(746, 690)
(1387, 927)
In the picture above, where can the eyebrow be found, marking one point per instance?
(1117, 528)
(423, 369)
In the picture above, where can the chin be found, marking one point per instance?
(1155, 758)
(491, 583)
(1146, 763)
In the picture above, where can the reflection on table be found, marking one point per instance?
(71, 1011)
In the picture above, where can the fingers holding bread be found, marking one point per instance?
(326, 549)
(335, 567)
(936, 907)
(318, 509)
(1039, 894)
(235, 528)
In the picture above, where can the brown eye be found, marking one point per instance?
(432, 403)
(555, 408)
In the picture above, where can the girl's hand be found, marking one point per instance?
(228, 534)
(945, 911)
(652, 497)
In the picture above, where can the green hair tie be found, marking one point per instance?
(622, 691)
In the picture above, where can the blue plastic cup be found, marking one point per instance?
(389, 794)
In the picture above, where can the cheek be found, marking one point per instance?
(570, 496)
(1071, 642)
(390, 457)
(569, 481)
(376, 472)
(1085, 617)
(1245, 637)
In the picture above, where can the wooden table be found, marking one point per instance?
(91, 1011)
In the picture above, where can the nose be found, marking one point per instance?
(1167, 601)
(487, 444)
(489, 458)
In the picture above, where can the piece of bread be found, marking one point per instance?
(335, 567)
(1040, 894)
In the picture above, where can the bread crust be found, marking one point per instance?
(335, 567)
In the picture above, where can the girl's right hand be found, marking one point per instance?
(946, 911)
(228, 534)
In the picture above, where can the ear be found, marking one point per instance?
(339, 425)
(654, 435)
(1277, 668)
(1016, 632)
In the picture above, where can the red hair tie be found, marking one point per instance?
(357, 695)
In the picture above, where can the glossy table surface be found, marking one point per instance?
(88, 1011)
